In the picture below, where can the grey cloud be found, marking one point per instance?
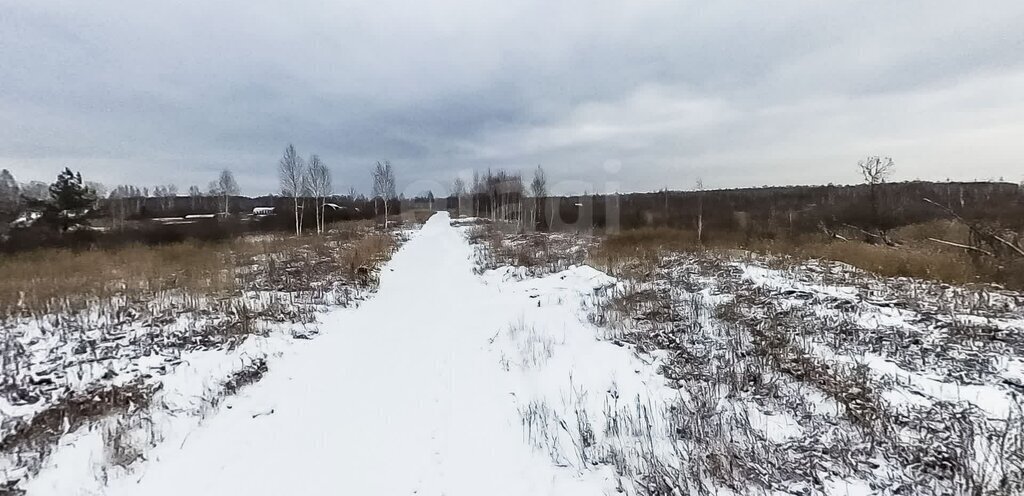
(633, 96)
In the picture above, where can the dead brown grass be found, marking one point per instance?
(907, 261)
(48, 280)
(419, 215)
(366, 253)
(55, 280)
(351, 228)
(635, 250)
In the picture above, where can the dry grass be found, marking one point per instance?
(351, 227)
(48, 281)
(910, 261)
(171, 299)
(419, 215)
(633, 252)
(53, 280)
(366, 253)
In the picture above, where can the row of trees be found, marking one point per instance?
(224, 185)
(311, 178)
(126, 200)
(503, 195)
(301, 179)
(13, 194)
(122, 201)
(872, 209)
(69, 201)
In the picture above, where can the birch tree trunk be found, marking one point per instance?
(316, 215)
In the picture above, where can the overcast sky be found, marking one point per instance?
(628, 96)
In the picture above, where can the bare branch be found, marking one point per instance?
(977, 230)
(881, 235)
(966, 247)
(876, 169)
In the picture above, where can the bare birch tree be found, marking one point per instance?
(195, 195)
(290, 172)
(319, 180)
(384, 185)
(226, 186)
(169, 193)
(326, 190)
(539, 189)
(478, 189)
(313, 168)
(700, 211)
(459, 190)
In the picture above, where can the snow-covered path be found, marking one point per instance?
(400, 396)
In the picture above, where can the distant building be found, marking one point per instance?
(26, 219)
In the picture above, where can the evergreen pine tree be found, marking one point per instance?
(70, 200)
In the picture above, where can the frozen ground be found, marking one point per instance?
(817, 378)
(122, 367)
(469, 373)
(790, 377)
(429, 387)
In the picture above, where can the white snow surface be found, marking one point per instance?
(420, 390)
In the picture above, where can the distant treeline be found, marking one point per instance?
(151, 221)
(759, 212)
(74, 212)
(807, 208)
(144, 208)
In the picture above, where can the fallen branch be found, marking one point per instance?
(880, 235)
(959, 245)
(1009, 245)
(976, 230)
(830, 233)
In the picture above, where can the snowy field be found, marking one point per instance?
(814, 377)
(501, 364)
(422, 389)
(115, 372)
(777, 376)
